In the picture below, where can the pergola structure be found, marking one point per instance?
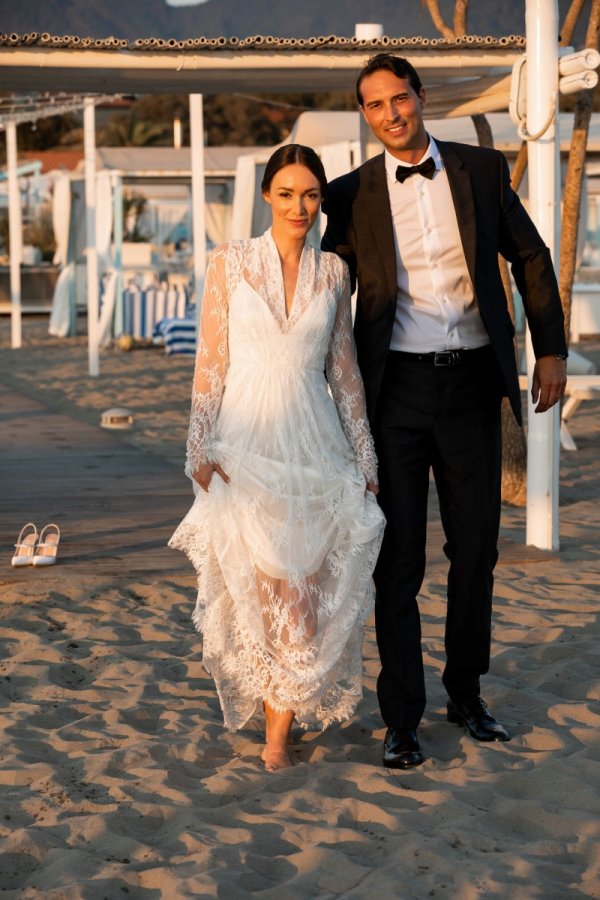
(464, 77)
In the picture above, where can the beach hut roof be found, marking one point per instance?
(258, 63)
(257, 42)
(52, 160)
(164, 162)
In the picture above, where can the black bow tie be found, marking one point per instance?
(426, 169)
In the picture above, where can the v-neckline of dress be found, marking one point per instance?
(278, 267)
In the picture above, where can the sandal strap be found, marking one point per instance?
(33, 534)
(45, 529)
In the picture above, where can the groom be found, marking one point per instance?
(421, 227)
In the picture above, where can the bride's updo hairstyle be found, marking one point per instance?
(294, 154)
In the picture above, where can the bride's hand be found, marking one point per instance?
(204, 474)
(373, 487)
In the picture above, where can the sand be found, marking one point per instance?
(117, 777)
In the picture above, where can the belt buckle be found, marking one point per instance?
(446, 358)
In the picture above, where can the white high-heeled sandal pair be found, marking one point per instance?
(34, 550)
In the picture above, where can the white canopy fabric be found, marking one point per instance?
(61, 213)
(105, 323)
(244, 196)
(254, 64)
(62, 301)
(217, 212)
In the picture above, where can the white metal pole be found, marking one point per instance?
(543, 446)
(15, 235)
(89, 147)
(198, 197)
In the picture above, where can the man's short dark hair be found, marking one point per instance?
(399, 66)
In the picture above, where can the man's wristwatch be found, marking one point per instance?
(560, 355)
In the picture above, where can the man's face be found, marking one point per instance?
(394, 113)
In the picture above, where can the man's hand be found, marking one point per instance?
(549, 382)
(204, 474)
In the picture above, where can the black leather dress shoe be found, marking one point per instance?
(474, 715)
(401, 749)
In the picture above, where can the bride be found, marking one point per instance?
(285, 529)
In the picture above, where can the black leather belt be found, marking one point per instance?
(442, 357)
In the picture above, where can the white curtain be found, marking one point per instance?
(61, 315)
(63, 303)
(250, 215)
(104, 220)
(218, 210)
(168, 215)
(105, 328)
(243, 198)
(61, 217)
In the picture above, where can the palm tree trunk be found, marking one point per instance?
(568, 26)
(461, 8)
(433, 8)
(514, 445)
(483, 129)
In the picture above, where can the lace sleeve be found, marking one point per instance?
(212, 359)
(346, 385)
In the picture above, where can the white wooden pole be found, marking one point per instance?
(15, 235)
(89, 147)
(198, 197)
(543, 445)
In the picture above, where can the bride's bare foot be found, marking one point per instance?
(275, 758)
(277, 739)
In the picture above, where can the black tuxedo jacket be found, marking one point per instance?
(491, 220)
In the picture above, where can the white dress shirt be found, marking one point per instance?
(436, 308)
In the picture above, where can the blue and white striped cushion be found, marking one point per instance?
(179, 335)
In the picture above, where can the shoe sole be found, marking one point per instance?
(402, 765)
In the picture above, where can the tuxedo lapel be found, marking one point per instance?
(375, 208)
(462, 195)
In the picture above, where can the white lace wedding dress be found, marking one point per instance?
(285, 551)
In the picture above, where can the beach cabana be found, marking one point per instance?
(468, 76)
(464, 77)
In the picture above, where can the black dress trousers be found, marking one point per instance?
(445, 419)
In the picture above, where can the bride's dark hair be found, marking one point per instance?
(289, 155)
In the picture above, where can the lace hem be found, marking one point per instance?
(247, 671)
